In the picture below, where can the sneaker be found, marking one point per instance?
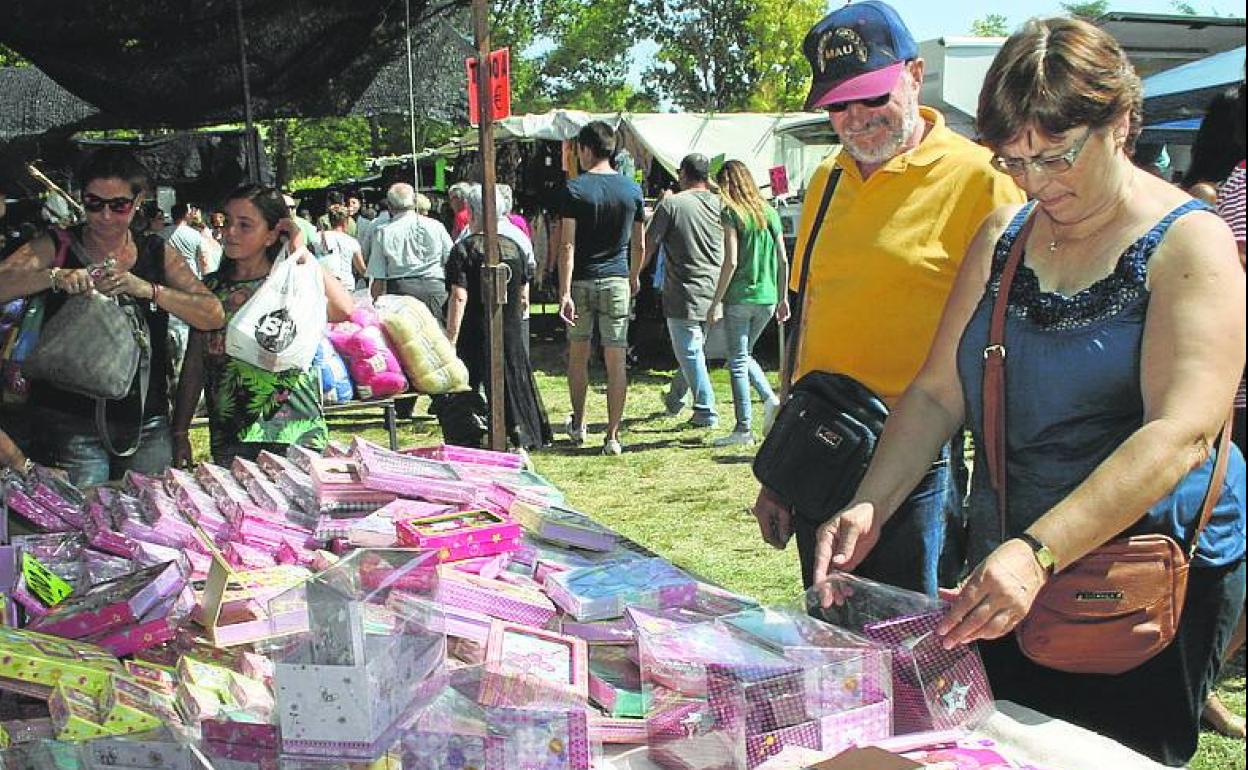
(611, 447)
(673, 406)
(770, 410)
(576, 434)
(736, 438)
(702, 421)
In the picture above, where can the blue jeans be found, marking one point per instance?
(909, 550)
(743, 325)
(688, 339)
(71, 443)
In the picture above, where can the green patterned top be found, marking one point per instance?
(247, 404)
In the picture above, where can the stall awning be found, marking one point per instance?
(1185, 91)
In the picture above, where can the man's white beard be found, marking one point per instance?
(881, 154)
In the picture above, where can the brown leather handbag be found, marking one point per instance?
(1119, 605)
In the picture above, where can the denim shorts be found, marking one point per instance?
(605, 302)
(71, 443)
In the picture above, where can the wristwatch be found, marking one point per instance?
(1044, 557)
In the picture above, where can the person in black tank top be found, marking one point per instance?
(147, 273)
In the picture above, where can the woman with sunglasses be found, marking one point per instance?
(1125, 336)
(108, 257)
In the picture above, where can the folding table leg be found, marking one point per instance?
(392, 426)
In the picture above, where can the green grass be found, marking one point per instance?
(674, 494)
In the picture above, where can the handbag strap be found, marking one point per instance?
(995, 401)
(790, 362)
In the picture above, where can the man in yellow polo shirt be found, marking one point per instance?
(911, 195)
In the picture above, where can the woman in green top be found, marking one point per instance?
(249, 408)
(755, 265)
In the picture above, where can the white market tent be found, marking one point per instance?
(668, 137)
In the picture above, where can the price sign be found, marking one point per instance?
(779, 180)
(500, 86)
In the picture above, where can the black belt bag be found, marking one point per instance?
(819, 448)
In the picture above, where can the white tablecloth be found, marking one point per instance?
(1028, 735)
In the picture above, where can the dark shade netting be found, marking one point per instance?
(148, 63)
(31, 103)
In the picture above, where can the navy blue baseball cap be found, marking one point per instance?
(857, 52)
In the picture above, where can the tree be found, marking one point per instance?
(587, 67)
(10, 58)
(776, 29)
(705, 60)
(992, 25)
(1091, 10)
(1184, 8)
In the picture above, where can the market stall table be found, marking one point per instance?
(1028, 735)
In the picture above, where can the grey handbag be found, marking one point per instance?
(95, 346)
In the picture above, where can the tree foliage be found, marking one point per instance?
(776, 29)
(992, 25)
(1091, 10)
(10, 58)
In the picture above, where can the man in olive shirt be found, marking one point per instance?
(689, 228)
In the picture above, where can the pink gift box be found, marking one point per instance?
(493, 597)
(273, 464)
(197, 505)
(221, 484)
(857, 727)
(550, 657)
(617, 730)
(410, 476)
(459, 535)
(552, 739)
(112, 604)
(20, 502)
(459, 454)
(101, 530)
(247, 557)
(165, 517)
(157, 626)
(255, 734)
(259, 486)
(57, 496)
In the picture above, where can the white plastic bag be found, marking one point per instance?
(280, 327)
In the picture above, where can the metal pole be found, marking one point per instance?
(253, 151)
(493, 277)
(411, 91)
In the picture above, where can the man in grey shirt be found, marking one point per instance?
(407, 255)
(687, 225)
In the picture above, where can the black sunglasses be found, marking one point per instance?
(96, 204)
(873, 103)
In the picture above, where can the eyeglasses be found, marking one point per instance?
(874, 103)
(95, 204)
(1052, 165)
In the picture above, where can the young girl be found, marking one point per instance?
(251, 409)
(755, 266)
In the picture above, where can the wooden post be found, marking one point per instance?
(493, 278)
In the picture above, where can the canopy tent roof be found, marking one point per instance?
(147, 63)
(668, 137)
(32, 103)
(1159, 41)
(1185, 91)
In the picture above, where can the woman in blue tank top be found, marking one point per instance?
(1125, 340)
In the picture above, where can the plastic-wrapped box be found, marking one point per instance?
(112, 604)
(456, 535)
(566, 526)
(598, 593)
(744, 689)
(933, 688)
(365, 664)
(538, 728)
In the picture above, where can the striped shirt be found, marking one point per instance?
(1231, 202)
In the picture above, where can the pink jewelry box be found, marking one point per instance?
(602, 592)
(221, 484)
(19, 499)
(58, 496)
(493, 597)
(520, 650)
(164, 516)
(112, 604)
(157, 626)
(458, 535)
(470, 455)
(196, 505)
(260, 488)
(551, 739)
(410, 476)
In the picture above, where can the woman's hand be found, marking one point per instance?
(182, 454)
(782, 311)
(77, 281)
(995, 598)
(715, 313)
(112, 284)
(293, 234)
(844, 540)
(775, 520)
